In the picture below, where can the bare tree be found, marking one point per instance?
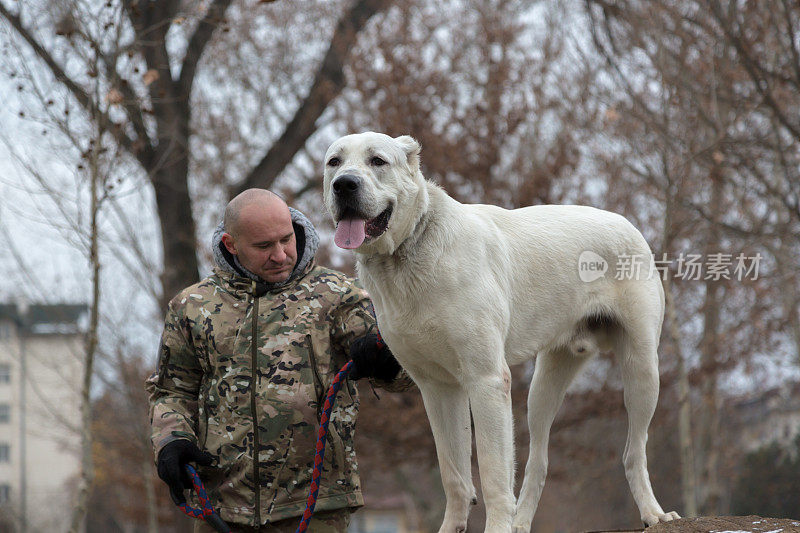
(700, 101)
(96, 191)
(498, 104)
(77, 217)
(152, 114)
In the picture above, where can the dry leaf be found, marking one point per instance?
(611, 114)
(113, 97)
(150, 76)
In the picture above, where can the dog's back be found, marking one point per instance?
(534, 255)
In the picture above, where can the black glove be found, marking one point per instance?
(171, 461)
(371, 360)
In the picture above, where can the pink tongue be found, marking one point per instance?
(350, 233)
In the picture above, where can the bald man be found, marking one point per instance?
(246, 357)
(260, 236)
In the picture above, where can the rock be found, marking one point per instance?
(727, 524)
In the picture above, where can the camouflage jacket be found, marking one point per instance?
(239, 373)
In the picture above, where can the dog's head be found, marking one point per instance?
(373, 190)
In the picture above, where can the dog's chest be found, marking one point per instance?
(409, 321)
(422, 349)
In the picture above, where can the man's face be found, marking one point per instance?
(264, 241)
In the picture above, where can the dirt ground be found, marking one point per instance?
(723, 524)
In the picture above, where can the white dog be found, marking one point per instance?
(463, 291)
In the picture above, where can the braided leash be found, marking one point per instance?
(206, 511)
(379, 343)
(322, 437)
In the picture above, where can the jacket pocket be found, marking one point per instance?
(230, 483)
(338, 449)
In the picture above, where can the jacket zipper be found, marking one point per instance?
(253, 386)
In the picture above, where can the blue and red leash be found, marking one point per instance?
(322, 437)
(206, 511)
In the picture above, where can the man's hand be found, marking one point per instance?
(371, 360)
(171, 461)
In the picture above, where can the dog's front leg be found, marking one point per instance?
(490, 400)
(447, 406)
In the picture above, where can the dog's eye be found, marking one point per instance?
(377, 161)
(334, 162)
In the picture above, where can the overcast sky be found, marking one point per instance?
(47, 262)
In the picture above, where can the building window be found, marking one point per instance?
(5, 373)
(5, 493)
(5, 413)
(5, 453)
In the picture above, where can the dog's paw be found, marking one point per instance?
(655, 518)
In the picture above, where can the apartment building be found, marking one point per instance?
(40, 378)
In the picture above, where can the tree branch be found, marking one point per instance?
(131, 103)
(793, 48)
(151, 22)
(197, 44)
(83, 98)
(328, 83)
(754, 70)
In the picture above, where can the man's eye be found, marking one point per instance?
(334, 162)
(377, 161)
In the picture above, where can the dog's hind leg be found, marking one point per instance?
(638, 359)
(552, 375)
(447, 406)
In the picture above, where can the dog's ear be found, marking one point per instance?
(411, 148)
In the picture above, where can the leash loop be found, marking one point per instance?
(206, 509)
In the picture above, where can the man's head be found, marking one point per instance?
(259, 232)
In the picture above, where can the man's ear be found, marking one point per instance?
(411, 147)
(229, 242)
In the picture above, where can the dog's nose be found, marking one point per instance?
(346, 184)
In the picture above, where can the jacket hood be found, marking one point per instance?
(307, 244)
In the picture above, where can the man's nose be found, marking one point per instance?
(346, 185)
(279, 255)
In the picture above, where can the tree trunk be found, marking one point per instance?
(328, 84)
(787, 269)
(710, 408)
(174, 207)
(686, 446)
(686, 443)
(150, 495)
(87, 468)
